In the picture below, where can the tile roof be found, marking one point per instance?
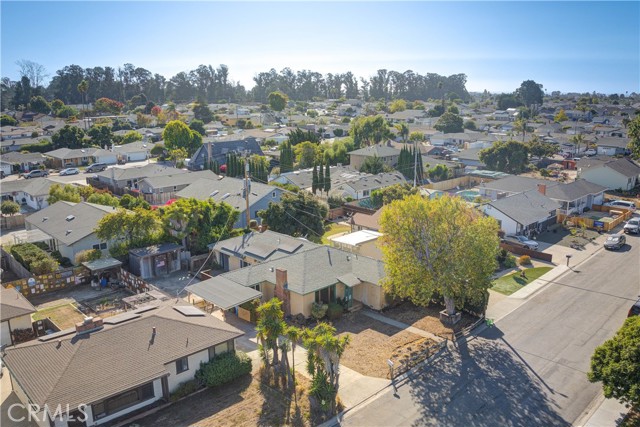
(13, 304)
(53, 220)
(263, 246)
(311, 270)
(526, 208)
(77, 369)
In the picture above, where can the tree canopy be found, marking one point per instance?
(296, 215)
(278, 100)
(369, 130)
(69, 137)
(530, 93)
(177, 134)
(449, 123)
(634, 137)
(373, 165)
(438, 248)
(386, 195)
(616, 363)
(510, 156)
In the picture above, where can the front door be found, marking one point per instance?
(348, 296)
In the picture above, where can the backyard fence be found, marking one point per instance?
(134, 283)
(8, 222)
(522, 251)
(50, 282)
(12, 264)
(598, 222)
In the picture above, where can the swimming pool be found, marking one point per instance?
(468, 195)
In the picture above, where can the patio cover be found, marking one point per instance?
(102, 264)
(223, 293)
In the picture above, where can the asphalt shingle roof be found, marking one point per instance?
(150, 170)
(574, 190)
(526, 208)
(379, 150)
(163, 181)
(13, 304)
(624, 166)
(77, 369)
(32, 186)
(263, 246)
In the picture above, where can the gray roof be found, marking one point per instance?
(263, 246)
(223, 292)
(75, 369)
(13, 304)
(373, 182)
(163, 181)
(24, 141)
(217, 189)
(574, 190)
(311, 270)
(624, 166)
(517, 184)
(149, 170)
(526, 208)
(67, 153)
(612, 142)
(16, 157)
(339, 175)
(155, 249)
(102, 264)
(134, 147)
(379, 150)
(53, 220)
(32, 186)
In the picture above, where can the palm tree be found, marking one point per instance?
(440, 89)
(403, 131)
(293, 334)
(83, 87)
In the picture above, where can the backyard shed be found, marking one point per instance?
(156, 260)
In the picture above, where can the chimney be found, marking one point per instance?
(542, 188)
(281, 292)
(89, 324)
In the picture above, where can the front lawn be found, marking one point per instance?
(513, 282)
(334, 229)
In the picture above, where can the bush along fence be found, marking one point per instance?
(12, 264)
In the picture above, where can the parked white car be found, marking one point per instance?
(521, 241)
(590, 152)
(622, 204)
(632, 226)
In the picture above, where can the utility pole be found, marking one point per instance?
(415, 162)
(247, 185)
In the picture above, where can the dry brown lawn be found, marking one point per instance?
(244, 402)
(427, 319)
(373, 343)
(64, 316)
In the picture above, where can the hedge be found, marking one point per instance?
(34, 259)
(223, 369)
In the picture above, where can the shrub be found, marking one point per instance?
(88, 255)
(335, 202)
(34, 259)
(318, 311)
(223, 369)
(338, 132)
(524, 260)
(334, 311)
(509, 261)
(184, 389)
(9, 208)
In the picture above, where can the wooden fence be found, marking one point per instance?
(596, 224)
(55, 281)
(522, 251)
(8, 222)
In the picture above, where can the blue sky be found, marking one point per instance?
(566, 46)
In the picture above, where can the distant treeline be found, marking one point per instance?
(214, 85)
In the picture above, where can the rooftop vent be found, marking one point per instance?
(45, 218)
(68, 232)
(70, 218)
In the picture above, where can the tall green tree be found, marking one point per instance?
(403, 131)
(510, 156)
(530, 93)
(177, 134)
(278, 100)
(327, 178)
(449, 123)
(616, 363)
(286, 157)
(634, 137)
(39, 105)
(297, 215)
(386, 195)
(69, 137)
(83, 88)
(67, 193)
(314, 180)
(321, 177)
(202, 112)
(305, 153)
(369, 130)
(198, 126)
(137, 228)
(373, 165)
(269, 328)
(101, 135)
(439, 247)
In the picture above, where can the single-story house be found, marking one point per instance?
(104, 369)
(613, 174)
(303, 179)
(134, 152)
(231, 191)
(30, 193)
(217, 149)
(15, 314)
(321, 274)
(16, 145)
(384, 152)
(363, 242)
(71, 226)
(156, 260)
(158, 189)
(362, 187)
(128, 178)
(22, 162)
(523, 212)
(576, 196)
(362, 221)
(469, 157)
(66, 157)
(612, 146)
(256, 247)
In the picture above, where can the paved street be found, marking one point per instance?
(530, 368)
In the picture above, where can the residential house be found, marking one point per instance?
(321, 274)
(134, 152)
(17, 145)
(257, 247)
(66, 157)
(362, 221)
(31, 194)
(457, 139)
(217, 149)
(158, 189)
(128, 178)
(612, 146)
(303, 179)
(362, 187)
(613, 174)
(469, 157)
(384, 152)
(363, 242)
(586, 115)
(15, 314)
(523, 213)
(104, 369)
(406, 116)
(71, 226)
(22, 162)
(231, 191)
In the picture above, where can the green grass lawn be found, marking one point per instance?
(512, 282)
(334, 229)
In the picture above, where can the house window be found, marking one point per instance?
(273, 194)
(182, 365)
(219, 349)
(365, 193)
(122, 401)
(175, 188)
(326, 295)
(100, 246)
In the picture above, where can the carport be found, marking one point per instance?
(222, 293)
(107, 267)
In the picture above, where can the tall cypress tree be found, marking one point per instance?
(327, 179)
(314, 182)
(321, 177)
(286, 158)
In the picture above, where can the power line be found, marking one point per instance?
(305, 226)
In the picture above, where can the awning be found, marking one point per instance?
(102, 264)
(223, 293)
(349, 280)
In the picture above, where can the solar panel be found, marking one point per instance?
(121, 318)
(188, 310)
